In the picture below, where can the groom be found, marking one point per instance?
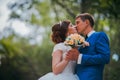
(91, 59)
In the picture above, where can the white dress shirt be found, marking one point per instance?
(80, 55)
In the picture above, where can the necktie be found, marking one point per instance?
(86, 37)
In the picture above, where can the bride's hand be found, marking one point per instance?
(66, 58)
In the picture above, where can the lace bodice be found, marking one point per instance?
(68, 72)
(71, 65)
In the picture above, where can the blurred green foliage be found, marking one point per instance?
(19, 60)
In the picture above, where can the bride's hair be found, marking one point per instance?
(59, 31)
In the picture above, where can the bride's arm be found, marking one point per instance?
(58, 64)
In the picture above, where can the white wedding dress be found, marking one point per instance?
(68, 72)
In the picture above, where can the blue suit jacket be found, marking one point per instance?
(94, 57)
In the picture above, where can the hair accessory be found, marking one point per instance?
(60, 23)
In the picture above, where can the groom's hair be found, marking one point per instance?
(86, 16)
(59, 31)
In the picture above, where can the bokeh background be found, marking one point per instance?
(25, 28)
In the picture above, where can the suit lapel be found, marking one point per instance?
(90, 37)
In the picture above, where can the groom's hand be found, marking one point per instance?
(72, 54)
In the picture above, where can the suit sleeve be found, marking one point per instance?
(102, 50)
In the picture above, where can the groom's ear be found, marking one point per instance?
(87, 22)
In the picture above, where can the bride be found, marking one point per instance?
(63, 69)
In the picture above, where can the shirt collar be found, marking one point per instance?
(90, 33)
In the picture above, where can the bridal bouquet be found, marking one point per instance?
(75, 40)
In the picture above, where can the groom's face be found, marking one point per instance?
(80, 25)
